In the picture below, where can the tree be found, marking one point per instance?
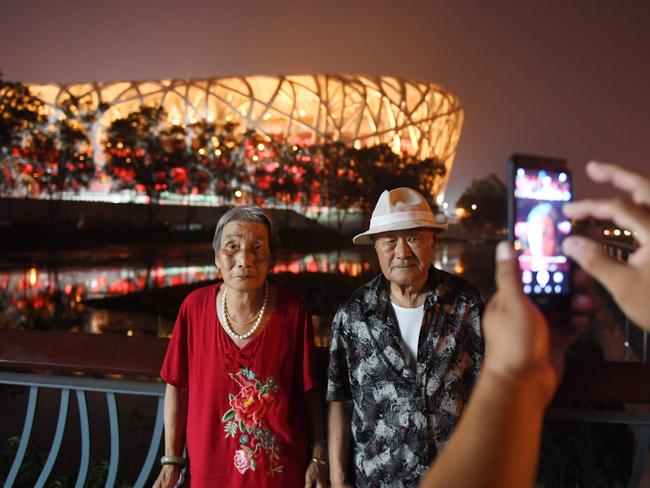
(44, 155)
(484, 204)
(135, 155)
(21, 113)
(70, 165)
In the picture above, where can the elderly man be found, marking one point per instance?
(404, 353)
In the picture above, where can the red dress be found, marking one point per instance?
(246, 419)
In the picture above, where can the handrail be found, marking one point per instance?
(61, 352)
(88, 353)
(76, 359)
(80, 386)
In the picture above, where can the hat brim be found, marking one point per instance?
(365, 238)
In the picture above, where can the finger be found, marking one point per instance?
(612, 274)
(637, 185)
(621, 212)
(506, 274)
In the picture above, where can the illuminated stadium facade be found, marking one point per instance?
(416, 118)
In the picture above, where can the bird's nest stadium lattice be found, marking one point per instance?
(413, 117)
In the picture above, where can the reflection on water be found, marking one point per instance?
(52, 296)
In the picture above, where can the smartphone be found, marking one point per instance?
(538, 187)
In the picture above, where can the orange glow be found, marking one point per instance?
(33, 276)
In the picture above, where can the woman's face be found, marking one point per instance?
(244, 255)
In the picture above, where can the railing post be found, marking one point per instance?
(24, 437)
(115, 440)
(56, 442)
(85, 439)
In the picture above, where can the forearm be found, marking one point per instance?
(316, 421)
(175, 418)
(339, 417)
(497, 439)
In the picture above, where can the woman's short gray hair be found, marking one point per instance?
(247, 213)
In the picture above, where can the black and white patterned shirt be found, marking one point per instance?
(402, 418)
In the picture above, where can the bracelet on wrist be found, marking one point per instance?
(318, 461)
(172, 460)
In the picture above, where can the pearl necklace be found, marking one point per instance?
(258, 315)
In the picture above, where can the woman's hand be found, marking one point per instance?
(315, 475)
(168, 476)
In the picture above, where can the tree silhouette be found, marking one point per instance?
(489, 197)
(21, 113)
(135, 157)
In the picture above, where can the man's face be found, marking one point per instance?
(405, 256)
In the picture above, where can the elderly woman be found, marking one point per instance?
(241, 388)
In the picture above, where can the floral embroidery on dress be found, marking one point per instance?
(245, 418)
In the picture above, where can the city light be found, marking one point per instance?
(238, 193)
(474, 206)
(33, 276)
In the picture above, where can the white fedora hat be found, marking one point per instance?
(399, 209)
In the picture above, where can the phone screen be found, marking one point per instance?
(539, 228)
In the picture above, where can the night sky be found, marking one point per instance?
(566, 79)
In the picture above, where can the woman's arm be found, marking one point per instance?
(175, 418)
(315, 475)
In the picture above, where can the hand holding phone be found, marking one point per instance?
(538, 187)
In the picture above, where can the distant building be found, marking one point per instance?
(413, 117)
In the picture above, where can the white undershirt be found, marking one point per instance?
(410, 323)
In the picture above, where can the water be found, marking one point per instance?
(50, 290)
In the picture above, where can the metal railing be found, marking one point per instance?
(63, 362)
(43, 361)
(79, 387)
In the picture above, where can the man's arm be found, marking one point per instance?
(175, 419)
(339, 418)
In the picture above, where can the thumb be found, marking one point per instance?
(506, 274)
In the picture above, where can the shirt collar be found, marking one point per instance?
(376, 296)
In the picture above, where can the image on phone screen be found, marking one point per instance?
(540, 228)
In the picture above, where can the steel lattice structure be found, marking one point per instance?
(420, 118)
